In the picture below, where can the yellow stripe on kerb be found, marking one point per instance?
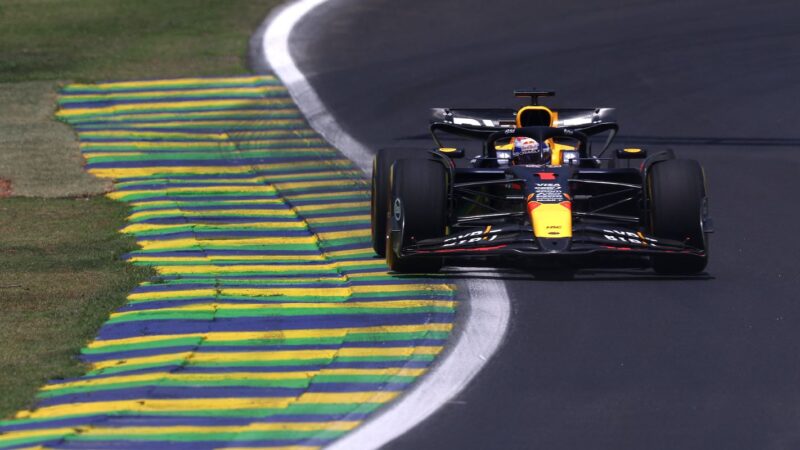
(156, 94)
(201, 169)
(276, 426)
(213, 212)
(227, 336)
(261, 225)
(226, 258)
(199, 378)
(155, 406)
(45, 433)
(340, 306)
(277, 355)
(175, 83)
(176, 106)
(178, 189)
(98, 432)
(188, 243)
(264, 268)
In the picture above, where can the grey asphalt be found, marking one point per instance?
(612, 359)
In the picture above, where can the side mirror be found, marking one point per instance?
(631, 153)
(452, 152)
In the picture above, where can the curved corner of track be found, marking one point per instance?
(485, 310)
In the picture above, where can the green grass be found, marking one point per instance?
(56, 292)
(59, 272)
(97, 40)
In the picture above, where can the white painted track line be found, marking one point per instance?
(485, 311)
(483, 330)
(275, 46)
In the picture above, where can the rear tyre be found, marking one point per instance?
(379, 205)
(676, 189)
(419, 206)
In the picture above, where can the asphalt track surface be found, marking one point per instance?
(611, 359)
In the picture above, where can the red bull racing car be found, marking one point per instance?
(536, 191)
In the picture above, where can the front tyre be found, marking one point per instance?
(379, 205)
(676, 189)
(418, 211)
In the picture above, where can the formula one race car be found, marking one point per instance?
(536, 191)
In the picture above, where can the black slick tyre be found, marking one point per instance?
(379, 205)
(419, 206)
(676, 190)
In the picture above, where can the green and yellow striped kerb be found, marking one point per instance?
(271, 324)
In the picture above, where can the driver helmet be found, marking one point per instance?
(529, 151)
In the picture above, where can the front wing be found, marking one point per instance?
(520, 241)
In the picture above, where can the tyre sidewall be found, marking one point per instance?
(417, 211)
(677, 196)
(379, 202)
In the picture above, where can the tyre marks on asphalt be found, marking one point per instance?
(270, 323)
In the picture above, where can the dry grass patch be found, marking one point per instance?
(39, 155)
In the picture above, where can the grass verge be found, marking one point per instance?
(98, 40)
(59, 272)
(56, 292)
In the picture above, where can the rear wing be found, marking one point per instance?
(506, 118)
(480, 123)
(576, 117)
(475, 117)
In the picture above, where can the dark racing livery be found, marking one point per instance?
(537, 191)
